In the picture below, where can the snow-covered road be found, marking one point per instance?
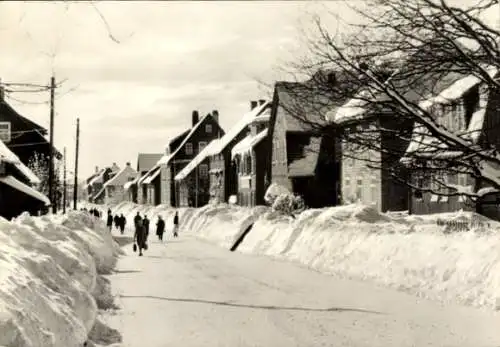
(192, 293)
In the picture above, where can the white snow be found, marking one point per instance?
(248, 143)
(411, 253)
(18, 185)
(50, 280)
(7, 155)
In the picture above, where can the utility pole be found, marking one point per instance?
(51, 149)
(75, 186)
(64, 184)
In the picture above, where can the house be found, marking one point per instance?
(194, 179)
(95, 184)
(184, 148)
(17, 187)
(304, 156)
(223, 174)
(22, 136)
(145, 162)
(114, 188)
(466, 107)
(250, 155)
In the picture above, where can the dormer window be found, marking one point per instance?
(208, 128)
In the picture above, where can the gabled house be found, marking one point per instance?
(181, 150)
(114, 188)
(223, 172)
(95, 185)
(22, 136)
(304, 156)
(17, 187)
(468, 108)
(136, 192)
(250, 156)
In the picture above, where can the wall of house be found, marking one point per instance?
(279, 165)
(165, 185)
(247, 179)
(217, 178)
(360, 182)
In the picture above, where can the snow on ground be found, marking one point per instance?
(423, 255)
(51, 283)
(189, 292)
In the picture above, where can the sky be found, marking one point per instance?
(134, 95)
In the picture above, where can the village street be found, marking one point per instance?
(191, 293)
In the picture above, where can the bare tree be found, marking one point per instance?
(415, 88)
(39, 164)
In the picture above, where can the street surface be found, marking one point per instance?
(188, 292)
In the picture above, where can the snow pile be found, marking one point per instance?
(50, 280)
(448, 257)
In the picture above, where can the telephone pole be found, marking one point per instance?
(64, 184)
(51, 149)
(75, 186)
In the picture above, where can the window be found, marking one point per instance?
(208, 128)
(203, 170)
(248, 162)
(359, 183)
(462, 179)
(5, 132)
(189, 148)
(201, 145)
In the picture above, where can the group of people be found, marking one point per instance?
(94, 212)
(119, 220)
(142, 230)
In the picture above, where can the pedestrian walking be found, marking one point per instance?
(176, 224)
(140, 238)
(160, 228)
(116, 220)
(145, 222)
(122, 223)
(110, 220)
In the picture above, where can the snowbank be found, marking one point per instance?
(50, 280)
(424, 255)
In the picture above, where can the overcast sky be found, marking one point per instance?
(173, 57)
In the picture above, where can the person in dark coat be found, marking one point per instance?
(110, 221)
(160, 228)
(116, 220)
(145, 222)
(176, 224)
(122, 223)
(140, 237)
(137, 219)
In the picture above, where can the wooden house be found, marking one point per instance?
(250, 156)
(303, 158)
(182, 150)
(22, 136)
(466, 107)
(223, 171)
(17, 187)
(95, 185)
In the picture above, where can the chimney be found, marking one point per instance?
(96, 169)
(195, 117)
(215, 115)
(128, 163)
(262, 101)
(253, 104)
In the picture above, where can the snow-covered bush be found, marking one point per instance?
(288, 204)
(283, 201)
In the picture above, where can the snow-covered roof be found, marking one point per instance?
(155, 171)
(423, 144)
(247, 119)
(97, 178)
(145, 161)
(129, 184)
(206, 152)
(121, 177)
(8, 156)
(352, 109)
(152, 176)
(166, 158)
(20, 186)
(248, 143)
